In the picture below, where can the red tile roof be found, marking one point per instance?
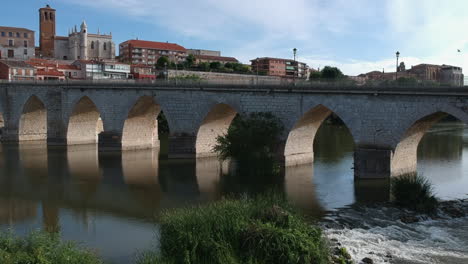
(67, 67)
(61, 38)
(141, 66)
(155, 45)
(15, 28)
(216, 58)
(49, 73)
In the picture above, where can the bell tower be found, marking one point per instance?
(47, 31)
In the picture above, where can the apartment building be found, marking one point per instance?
(279, 67)
(148, 52)
(15, 70)
(16, 43)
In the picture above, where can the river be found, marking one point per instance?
(109, 202)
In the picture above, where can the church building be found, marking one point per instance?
(78, 45)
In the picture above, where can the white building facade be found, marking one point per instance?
(80, 45)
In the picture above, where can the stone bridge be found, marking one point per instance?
(387, 124)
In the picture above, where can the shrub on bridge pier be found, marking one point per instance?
(250, 137)
(414, 192)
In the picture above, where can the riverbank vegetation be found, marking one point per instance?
(42, 248)
(414, 192)
(257, 230)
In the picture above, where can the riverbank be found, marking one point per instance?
(383, 233)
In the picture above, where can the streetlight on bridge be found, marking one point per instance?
(396, 72)
(296, 69)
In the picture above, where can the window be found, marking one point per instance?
(10, 34)
(18, 35)
(92, 44)
(105, 46)
(25, 43)
(46, 16)
(52, 16)
(74, 74)
(26, 35)
(3, 34)
(11, 53)
(25, 52)
(11, 42)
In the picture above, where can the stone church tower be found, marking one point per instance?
(47, 31)
(84, 41)
(77, 45)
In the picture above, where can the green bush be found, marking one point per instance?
(42, 248)
(260, 230)
(414, 192)
(250, 137)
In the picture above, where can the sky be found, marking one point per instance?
(356, 36)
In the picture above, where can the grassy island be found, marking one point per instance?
(246, 230)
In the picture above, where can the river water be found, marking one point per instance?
(109, 201)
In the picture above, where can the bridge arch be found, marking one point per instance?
(405, 156)
(299, 148)
(140, 129)
(33, 120)
(215, 123)
(84, 123)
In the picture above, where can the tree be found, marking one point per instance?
(190, 60)
(315, 75)
(250, 137)
(229, 65)
(162, 62)
(331, 73)
(215, 65)
(204, 66)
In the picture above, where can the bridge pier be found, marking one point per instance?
(372, 163)
(110, 141)
(182, 146)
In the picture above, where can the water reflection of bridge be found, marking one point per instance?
(129, 184)
(136, 184)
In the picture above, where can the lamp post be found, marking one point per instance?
(176, 71)
(256, 64)
(294, 66)
(396, 72)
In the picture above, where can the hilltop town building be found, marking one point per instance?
(148, 52)
(142, 72)
(452, 75)
(100, 70)
(204, 52)
(279, 67)
(16, 43)
(78, 45)
(206, 58)
(444, 74)
(13, 70)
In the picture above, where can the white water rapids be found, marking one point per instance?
(377, 233)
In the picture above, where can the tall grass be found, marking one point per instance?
(260, 230)
(42, 248)
(414, 192)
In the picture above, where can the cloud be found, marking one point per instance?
(358, 35)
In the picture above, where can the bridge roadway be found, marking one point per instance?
(387, 123)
